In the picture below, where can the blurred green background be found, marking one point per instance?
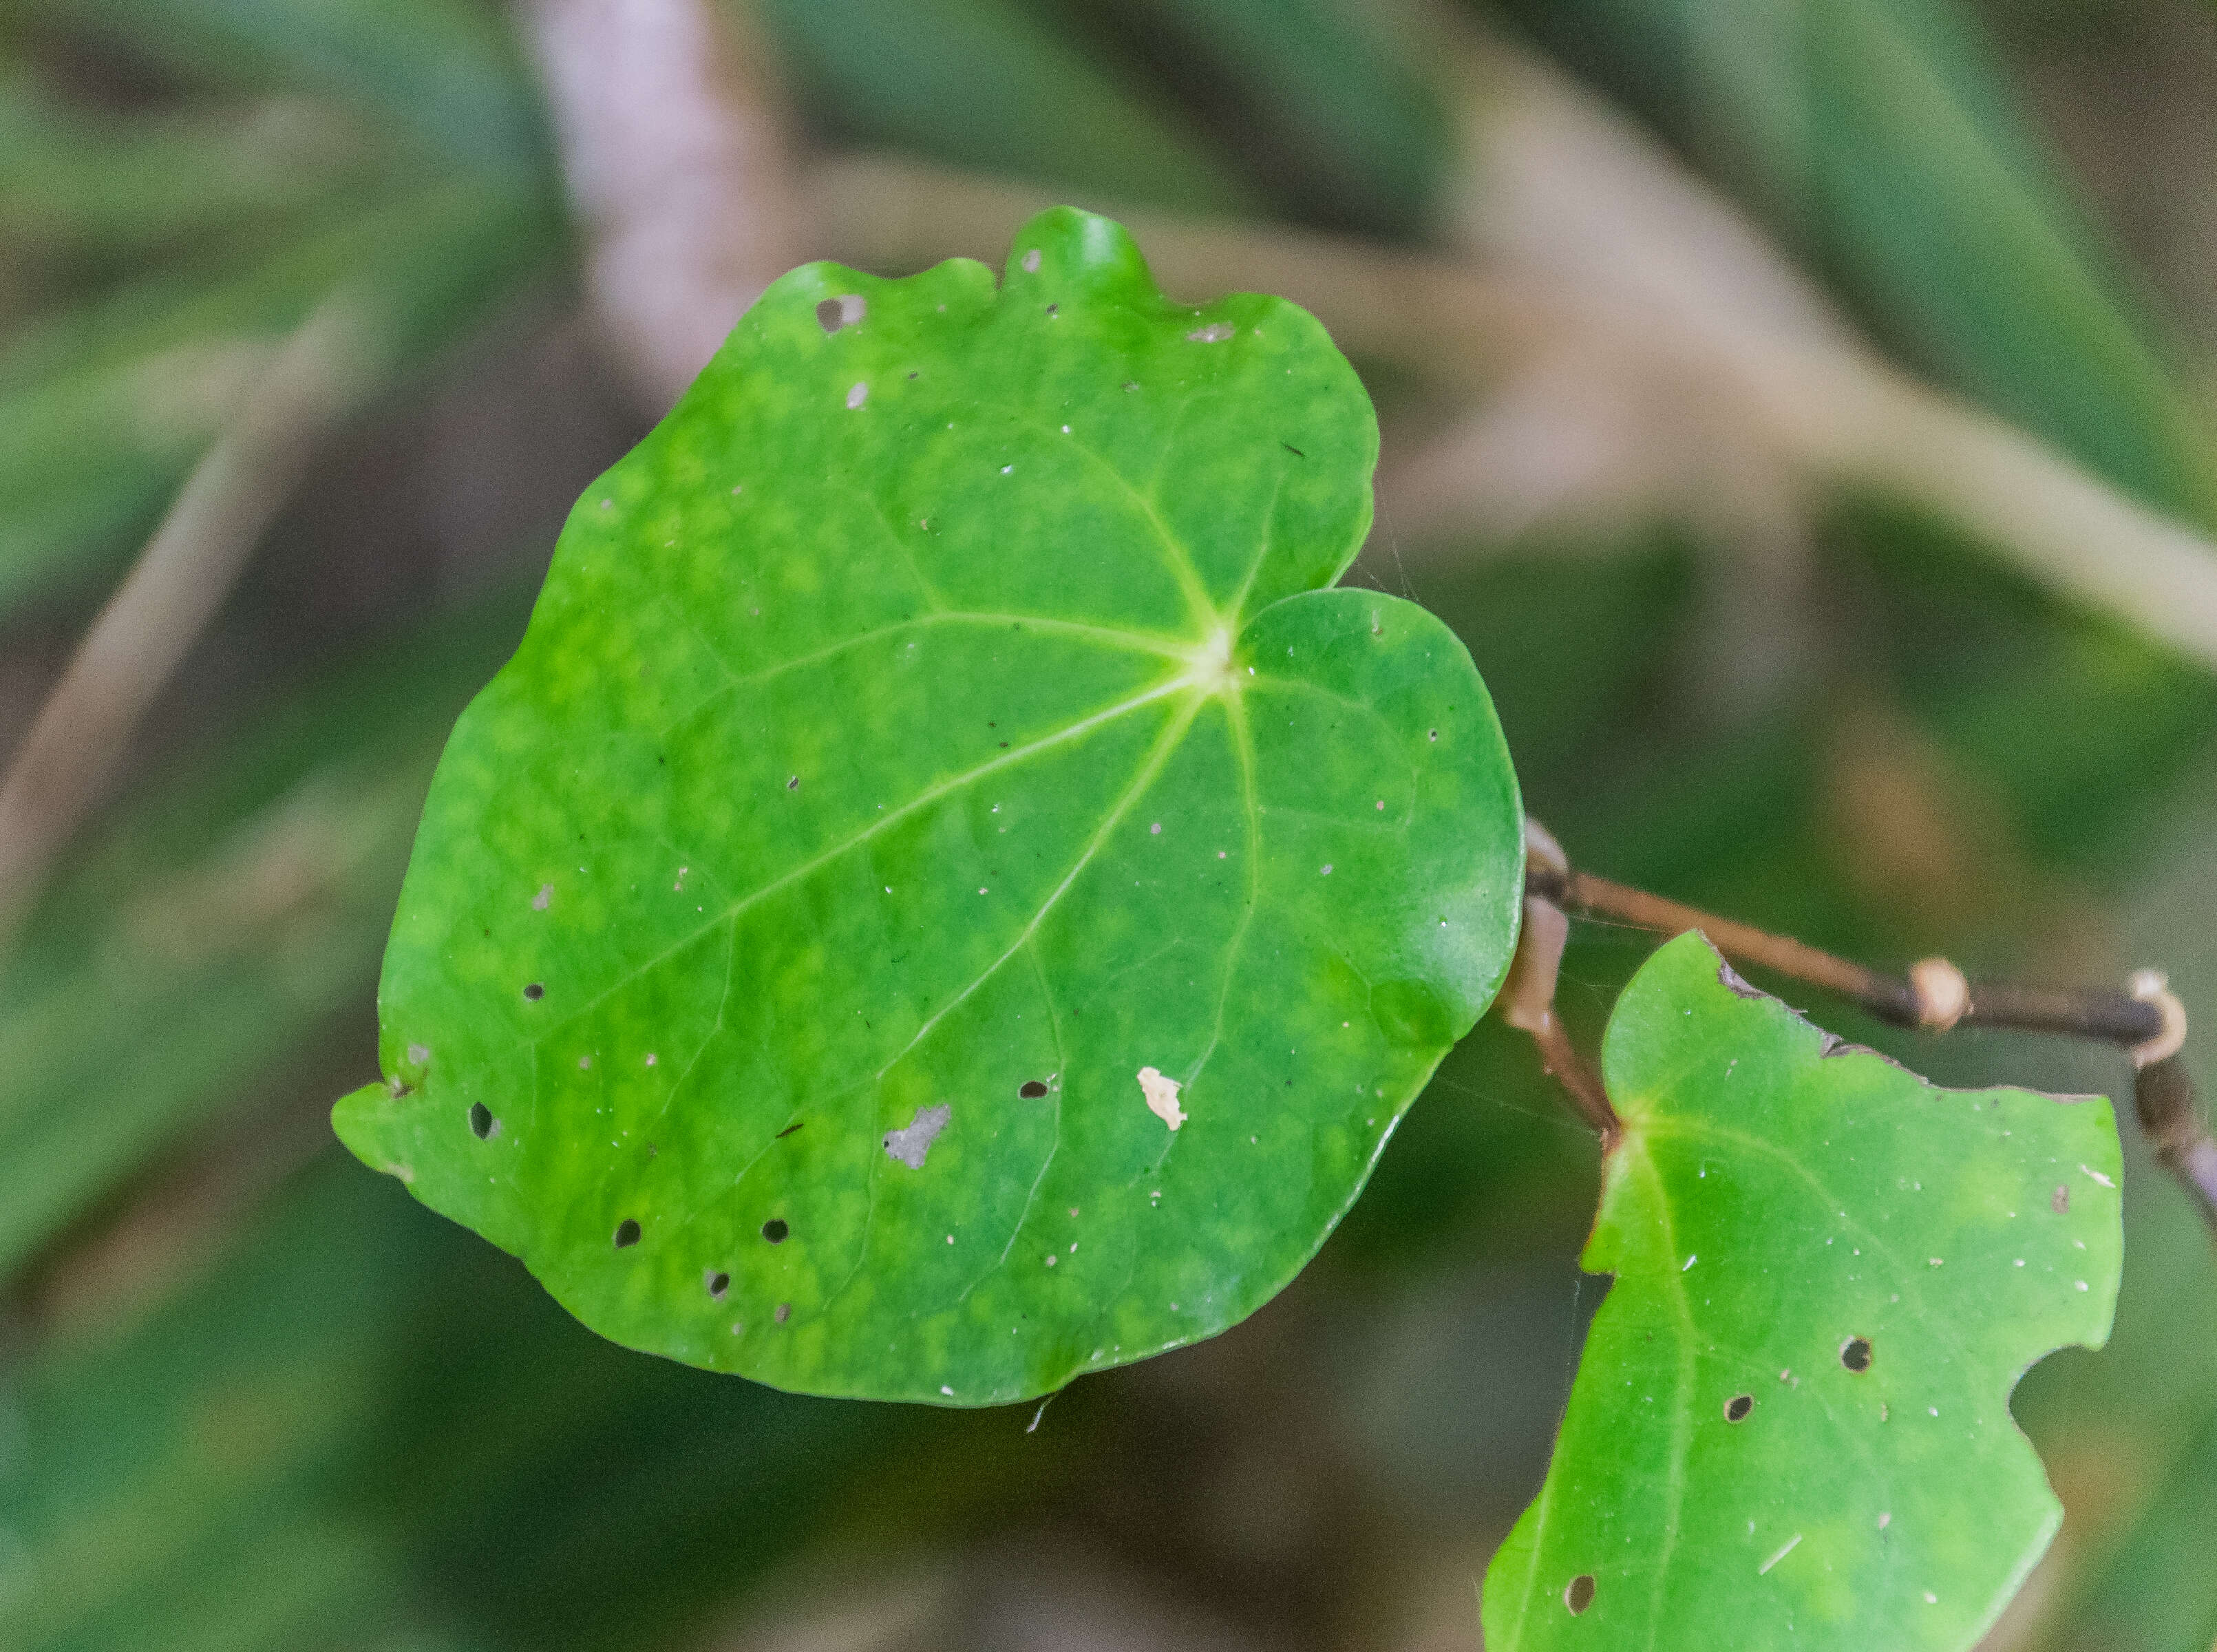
(1803, 409)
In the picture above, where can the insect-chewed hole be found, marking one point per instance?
(627, 1233)
(774, 1230)
(1580, 1593)
(1031, 1089)
(1737, 1407)
(718, 1283)
(1855, 1353)
(481, 1120)
(534, 992)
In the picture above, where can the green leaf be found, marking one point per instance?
(1791, 1423)
(933, 746)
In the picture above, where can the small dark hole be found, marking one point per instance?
(1737, 1407)
(1031, 1089)
(830, 315)
(793, 784)
(534, 992)
(774, 1230)
(1052, 308)
(790, 1129)
(627, 1233)
(1580, 1594)
(1855, 1353)
(480, 1120)
(718, 1284)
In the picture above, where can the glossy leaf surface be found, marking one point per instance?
(1791, 1422)
(939, 722)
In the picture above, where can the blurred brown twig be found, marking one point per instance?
(179, 582)
(675, 152)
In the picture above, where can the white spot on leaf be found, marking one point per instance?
(1032, 262)
(857, 396)
(1780, 1556)
(1216, 333)
(544, 899)
(910, 1145)
(1162, 1096)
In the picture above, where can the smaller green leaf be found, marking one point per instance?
(1791, 1423)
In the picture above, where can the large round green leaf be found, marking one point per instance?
(944, 899)
(1791, 1423)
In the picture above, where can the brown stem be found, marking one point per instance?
(2100, 1013)
(2170, 1118)
(1528, 1003)
(2146, 1022)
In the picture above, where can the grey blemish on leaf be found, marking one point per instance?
(1032, 262)
(1731, 977)
(1216, 333)
(544, 899)
(911, 1144)
(844, 310)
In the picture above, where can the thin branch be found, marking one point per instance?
(2100, 1014)
(1528, 1003)
(2170, 1111)
(2146, 1021)
(179, 580)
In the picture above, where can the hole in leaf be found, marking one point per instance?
(1855, 1353)
(774, 1230)
(480, 1120)
(1031, 1089)
(718, 1284)
(1737, 1407)
(627, 1233)
(534, 992)
(1580, 1593)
